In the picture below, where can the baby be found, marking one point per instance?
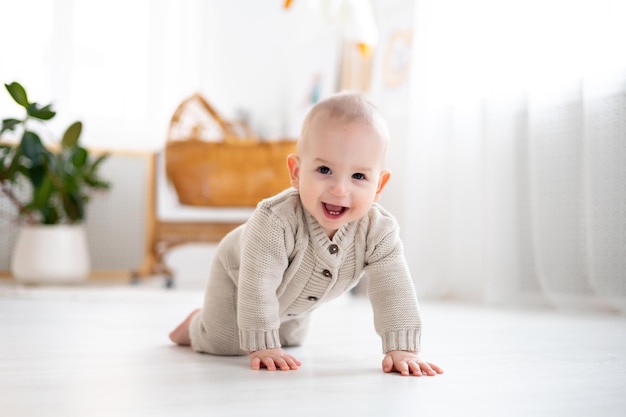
(310, 244)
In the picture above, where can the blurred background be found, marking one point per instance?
(508, 118)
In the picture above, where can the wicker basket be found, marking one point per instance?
(212, 162)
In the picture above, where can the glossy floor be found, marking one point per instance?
(104, 352)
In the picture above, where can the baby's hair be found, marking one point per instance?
(346, 107)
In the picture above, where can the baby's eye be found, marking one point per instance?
(323, 170)
(358, 176)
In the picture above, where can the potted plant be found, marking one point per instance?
(50, 187)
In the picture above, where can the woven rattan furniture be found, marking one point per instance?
(211, 163)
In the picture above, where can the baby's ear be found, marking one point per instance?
(293, 164)
(385, 174)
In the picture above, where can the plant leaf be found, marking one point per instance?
(37, 174)
(9, 124)
(91, 175)
(79, 157)
(74, 206)
(50, 215)
(96, 164)
(41, 113)
(96, 183)
(18, 93)
(71, 135)
(71, 181)
(43, 193)
(32, 148)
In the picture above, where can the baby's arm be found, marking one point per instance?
(273, 359)
(261, 271)
(406, 362)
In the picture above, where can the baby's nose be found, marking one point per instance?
(339, 187)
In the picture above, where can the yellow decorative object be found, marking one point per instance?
(364, 49)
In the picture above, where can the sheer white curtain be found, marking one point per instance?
(119, 66)
(517, 156)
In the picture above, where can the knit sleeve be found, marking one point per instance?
(263, 263)
(392, 294)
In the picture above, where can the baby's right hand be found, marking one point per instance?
(273, 359)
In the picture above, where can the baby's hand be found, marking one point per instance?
(273, 359)
(408, 362)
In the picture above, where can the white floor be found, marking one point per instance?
(104, 352)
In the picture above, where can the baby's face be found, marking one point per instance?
(339, 171)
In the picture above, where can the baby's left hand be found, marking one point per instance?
(407, 362)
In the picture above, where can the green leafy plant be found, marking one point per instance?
(60, 180)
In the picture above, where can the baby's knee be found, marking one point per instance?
(213, 342)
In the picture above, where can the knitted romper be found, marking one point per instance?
(270, 273)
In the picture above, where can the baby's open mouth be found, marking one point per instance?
(334, 210)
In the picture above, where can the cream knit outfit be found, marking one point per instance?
(270, 273)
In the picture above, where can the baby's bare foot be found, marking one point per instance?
(180, 335)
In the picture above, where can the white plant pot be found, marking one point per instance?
(56, 254)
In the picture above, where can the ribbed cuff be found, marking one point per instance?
(402, 340)
(251, 340)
